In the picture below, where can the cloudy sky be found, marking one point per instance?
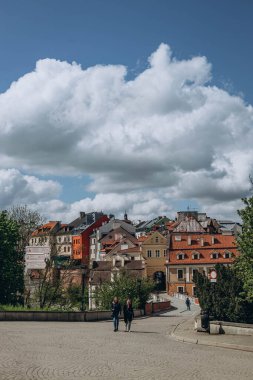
(112, 105)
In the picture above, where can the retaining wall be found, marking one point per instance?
(155, 307)
(230, 328)
(86, 316)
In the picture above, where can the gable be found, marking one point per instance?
(155, 239)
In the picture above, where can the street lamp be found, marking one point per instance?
(84, 272)
(90, 289)
(139, 290)
(157, 289)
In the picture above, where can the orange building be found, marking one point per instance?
(191, 252)
(81, 238)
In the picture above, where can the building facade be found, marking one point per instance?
(190, 252)
(154, 250)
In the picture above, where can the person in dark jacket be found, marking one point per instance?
(188, 303)
(128, 314)
(116, 311)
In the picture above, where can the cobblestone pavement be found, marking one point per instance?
(61, 351)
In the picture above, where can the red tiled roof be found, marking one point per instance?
(142, 238)
(221, 244)
(220, 241)
(205, 257)
(45, 228)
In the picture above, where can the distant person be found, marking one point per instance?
(116, 311)
(128, 314)
(188, 303)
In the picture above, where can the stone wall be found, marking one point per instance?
(230, 328)
(65, 316)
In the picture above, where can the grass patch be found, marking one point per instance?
(24, 308)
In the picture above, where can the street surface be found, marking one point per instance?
(60, 351)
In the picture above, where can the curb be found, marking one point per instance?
(207, 343)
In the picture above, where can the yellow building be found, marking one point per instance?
(154, 250)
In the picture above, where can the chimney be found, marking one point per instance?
(189, 240)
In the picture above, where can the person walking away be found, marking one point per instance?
(116, 311)
(188, 303)
(128, 314)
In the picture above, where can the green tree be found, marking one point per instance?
(124, 286)
(223, 299)
(244, 263)
(11, 262)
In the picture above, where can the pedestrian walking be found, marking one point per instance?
(188, 303)
(128, 314)
(116, 311)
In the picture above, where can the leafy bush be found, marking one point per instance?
(223, 300)
(123, 287)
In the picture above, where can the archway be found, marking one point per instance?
(159, 279)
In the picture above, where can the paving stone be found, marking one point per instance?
(91, 350)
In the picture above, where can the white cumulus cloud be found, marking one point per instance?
(168, 133)
(17, 188)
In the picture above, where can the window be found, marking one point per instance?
(178, 238)
(149, 253)
(180, 274)
(164, 253)
(194, 272)
(59, 239)
(45, 239)
(180, 256)
(214, 255)
(157, 253)
(68, 249)
(227, 255)
(64, 249)
(157, 239)
(195, 256)
(180, 289)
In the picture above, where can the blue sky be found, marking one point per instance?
(117, 32)
(126, 32)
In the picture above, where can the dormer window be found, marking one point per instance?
(178, 238)
(227, 255)
(195, 256)
(180, 256)
(214, 255)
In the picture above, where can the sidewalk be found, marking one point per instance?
(185, 332)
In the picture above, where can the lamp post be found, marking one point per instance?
(90, 290)
(157, 290)
(84, 272)
(139, 290)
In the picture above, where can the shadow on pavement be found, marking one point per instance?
(143, 332)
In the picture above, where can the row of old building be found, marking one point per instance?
(167, 251)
